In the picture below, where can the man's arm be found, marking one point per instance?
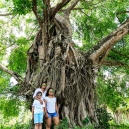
(35, 97)
(40, 100)
(35, 92)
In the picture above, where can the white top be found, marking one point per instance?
(38, 107)
(40, 90)
(51, 104)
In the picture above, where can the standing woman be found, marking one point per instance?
(51, 110)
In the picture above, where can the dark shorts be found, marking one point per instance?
(51, 115)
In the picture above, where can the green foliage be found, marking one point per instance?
(13, 114)
(22, 41)
(1, 4)
(86, 121)
(63, 124)
(119, 126)
(85, 127)
(16, 126)
(103, 118)
(25, 6)
(111, 92)
(18, 57)
(9, 107)
(21, 7)
(14, 89)
(17, 60)
(97, 20)
(4, 81)
(3, 52)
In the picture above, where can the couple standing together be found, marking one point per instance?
(44, 104)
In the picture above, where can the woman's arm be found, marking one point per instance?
(45, 108)
(56, 107)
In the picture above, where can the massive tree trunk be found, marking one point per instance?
(52, 58)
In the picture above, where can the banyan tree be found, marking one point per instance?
(52, 58)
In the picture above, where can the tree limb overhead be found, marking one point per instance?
(58, 7)
(101, 50)
(12, 73)
(6, 14)
(122, 12)
(73, 4)
(34, 9)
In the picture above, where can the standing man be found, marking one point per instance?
(42, 89)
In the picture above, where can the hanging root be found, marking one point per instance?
(62, 79)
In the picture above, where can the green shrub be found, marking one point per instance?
(103, 118)
(63, 124)
(119, 126)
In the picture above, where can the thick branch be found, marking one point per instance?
(122, 12)
(114, 63)
(73, 4)
(34, 9)
(65, 22)
(6, 14)
(12, 73)
(58, 7)
(62, 10)
(101, 50)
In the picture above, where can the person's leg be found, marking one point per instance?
(40, 125)
(48, 123)
(40, 119)
(36, 121)
(36, 126)
(56, 120)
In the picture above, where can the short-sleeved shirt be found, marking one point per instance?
(50, 104)
(40, 90)
(38, 107)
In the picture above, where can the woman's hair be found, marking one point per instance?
(47, 94)
(38, 93)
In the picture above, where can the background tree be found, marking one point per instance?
(52, 57)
